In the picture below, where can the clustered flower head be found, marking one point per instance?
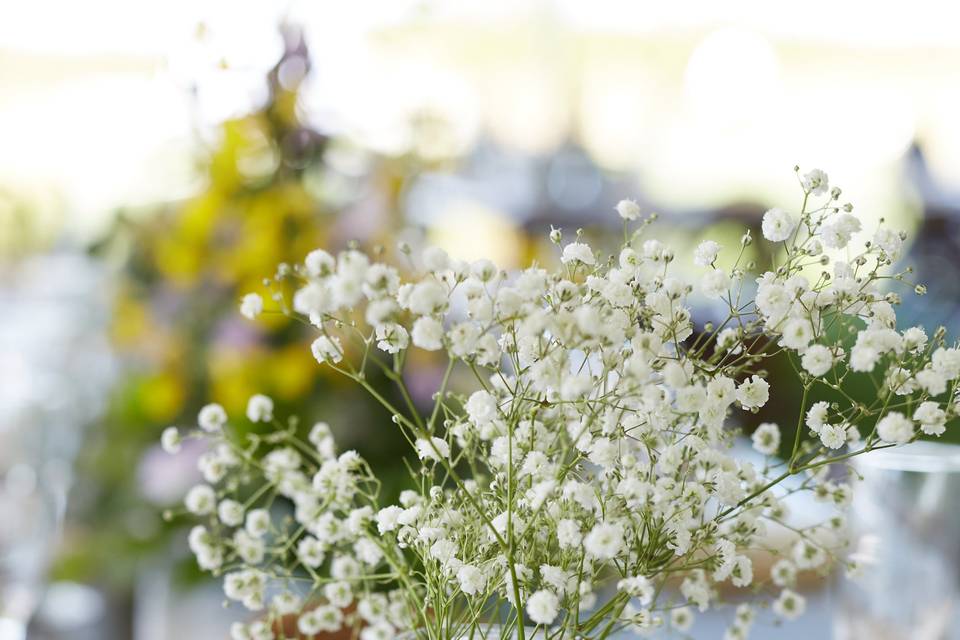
(586, 482)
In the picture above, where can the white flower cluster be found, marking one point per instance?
(587, 480)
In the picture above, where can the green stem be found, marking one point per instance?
(799, 430)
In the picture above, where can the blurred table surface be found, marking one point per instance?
(199, 615)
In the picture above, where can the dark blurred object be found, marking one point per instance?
(934, 256)
(935, 252)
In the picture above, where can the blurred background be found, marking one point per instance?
(157, 160)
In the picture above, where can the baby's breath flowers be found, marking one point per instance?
(628, 209)
(777, 225)
(170, 440)
(251, 306)
(586, 484)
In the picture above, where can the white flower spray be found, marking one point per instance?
(587, 482)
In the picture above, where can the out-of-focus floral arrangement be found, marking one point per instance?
(275, 189)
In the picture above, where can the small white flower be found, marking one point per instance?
(170, 440)
(327, 349)
(339, 594)
(628, 209)
(381, 281)
(797, 333)
(833, 436)
(378, 631)
(900, 381)
(706, 253)
(310, 552)
(772, 299)
(638, 587)
(715, 283)
(330, 618)
(435, 259)
(560, 580)
(259, 408)
(696, 590)
(319, 263)
(578, 252)
(388, 518)
(604, 452)
(654, 249)
(605, 541)
(817, 416)
(313, 300)
(931, 417)
(728, 487)
(443, 550)
(789, 605)
(439, 450)
(741, 575)
(258, 522)
(471, 579)
(914, 339)
(201, 500)
(345, 567)
(895, 427)
(380, 311)
(817, 360)
(753, 392)
(428, 333)
(212, 467)
(345, 291)
(777, 225)
(568, 534)
(464, 338)
(239, 631)
(392, 338)
(367, 552)
(484, 270)
(815, 182)
(543, 607)
(286, 603)
(890, 241)
(481, 408)
(199, 539)
(729, 340)
(766, 439)
(309, 623)
(837, 232)
(230, 513)
(251, 306)
(261, 630)
(319, 432)
(210, 558)
(251, 550)
(427, 297)
(212, 417)
(681, 619)
(783, 572)
(946, 362)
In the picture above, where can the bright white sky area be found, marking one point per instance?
(704, 101)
